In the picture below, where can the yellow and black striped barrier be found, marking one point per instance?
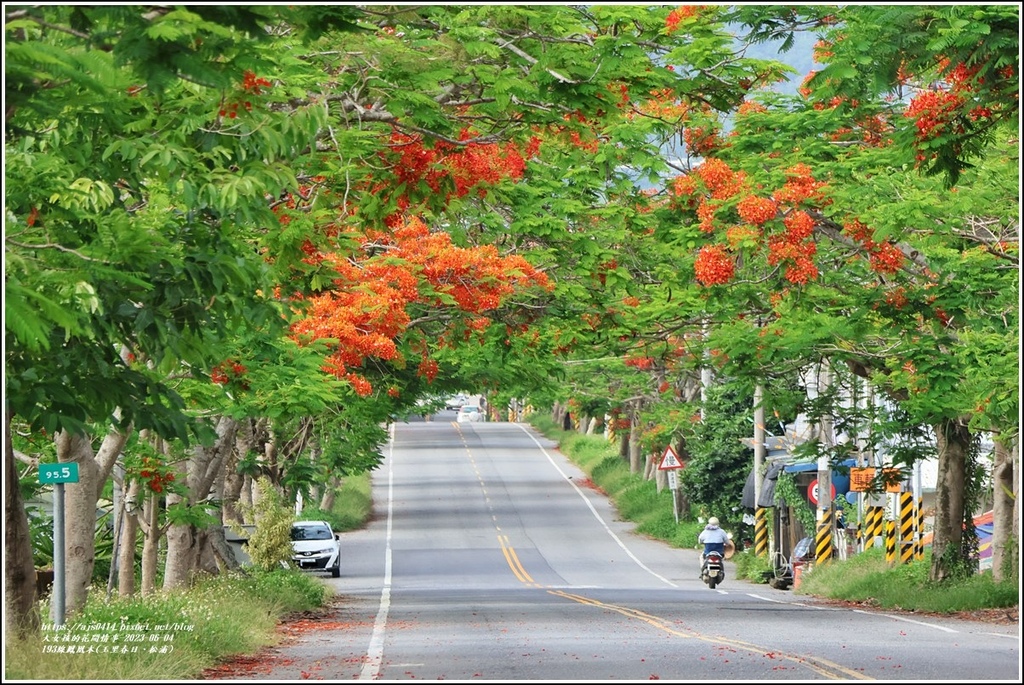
(906, 532)
(760, 532)
(919, 546)
(823, 539)
(890, 542)
(873, 527)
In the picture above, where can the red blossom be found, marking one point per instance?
(713, 266)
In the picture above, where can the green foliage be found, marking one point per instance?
(787, 491)
(40, 527)
(867, 577)
(353, 503)
(720, 464)
(219, 616)
(750, 566)
(137, 215)
(864, 577)
(270, 545)
(286, 590)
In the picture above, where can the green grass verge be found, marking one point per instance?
(167, 635)
(864, 577)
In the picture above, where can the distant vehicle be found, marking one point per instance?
(315, 547)
(455, 402)
(469, 412)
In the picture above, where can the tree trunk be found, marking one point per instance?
(683, 501)
(235, 482)
(151, 543)
(953, 441)
(634, 442)
(129, 538)
(20, 613)
(210, 559)
(222, 552)
(556, 413)
(1005, 539)
(80, 508)
(200, 471)
(330, 494)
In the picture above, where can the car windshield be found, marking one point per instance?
(467, 409)
(311, 533)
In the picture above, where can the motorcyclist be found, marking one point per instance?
(713, 538)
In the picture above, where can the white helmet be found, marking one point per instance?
(712, 521)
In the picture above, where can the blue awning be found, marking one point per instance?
(813, 466)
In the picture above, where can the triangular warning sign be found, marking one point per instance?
(670, 460)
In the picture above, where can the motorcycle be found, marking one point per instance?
(713, 570)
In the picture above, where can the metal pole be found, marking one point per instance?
(58, 554)
(758, 442)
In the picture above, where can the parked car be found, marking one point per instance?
(315, 547)
(455, 402)
(469, 412)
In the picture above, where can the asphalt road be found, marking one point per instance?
(490, 558)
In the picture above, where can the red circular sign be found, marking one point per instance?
(812, 492)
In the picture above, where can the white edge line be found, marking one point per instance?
(594, 511)
(874, 613)
(907, 620)
(375, 651)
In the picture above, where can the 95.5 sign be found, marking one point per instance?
(58, 473)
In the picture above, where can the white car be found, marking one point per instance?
(315, 547)
(469, 412)
(455, 402)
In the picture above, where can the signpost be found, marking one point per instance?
(812, 492)
(58, 475)
(670, 462)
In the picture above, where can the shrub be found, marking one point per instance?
(270, 545)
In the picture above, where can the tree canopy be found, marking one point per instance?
(308, 217)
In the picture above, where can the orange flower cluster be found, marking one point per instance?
(935, 112)
(706, 213)
(156, 474)
(428, 369)
(800, 186)
(251, 85)
(884, 257)
(797, 255)
(366, 310)
(713, 266)
(478, 164)
(721, 181)
(679, 14)
(749, 107)
(740, 234)
(897, 297)
(799, 225)
(228, 371)
(822, 50)
(665, 104)
(685, 188)
(642, 363)
(756, 210)
(702, 140)
(470, 166)
(794, 248)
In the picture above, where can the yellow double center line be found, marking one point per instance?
(822, 667)
(513, 562)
